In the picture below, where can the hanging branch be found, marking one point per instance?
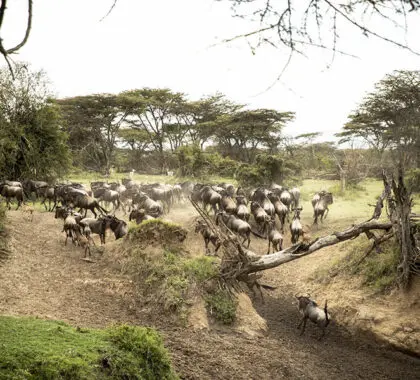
(6, 52)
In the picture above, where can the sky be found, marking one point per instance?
(177, 45)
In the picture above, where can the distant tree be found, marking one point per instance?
(269, 169)
(389, 118)
(32, 141)
(159, 113)
(205, 116)
(93, 123)
(243, 133)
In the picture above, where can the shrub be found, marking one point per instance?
(378, 270)
(222, 306)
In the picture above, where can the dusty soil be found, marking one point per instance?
(45, 278)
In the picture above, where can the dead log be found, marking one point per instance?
(256, 263)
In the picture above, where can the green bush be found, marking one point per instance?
(222, 306)
(378, 270)
(269, 168)
(33, 348)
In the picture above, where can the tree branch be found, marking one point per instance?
(258, 263)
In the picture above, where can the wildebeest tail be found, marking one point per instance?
(268, 287)
(102, 209)
(326, 314)
(257, 234)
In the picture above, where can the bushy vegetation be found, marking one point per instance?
(33, 348)
(167, 276)
(222, 306)
(170, 277)
(378, 270)
(269, 169)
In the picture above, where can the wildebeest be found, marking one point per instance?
(321, 206)
(152, 207)
(9, 192)
(48, 193)
(139, 215)
(274, 237)
(31, 187)
(295, 193)
(281, 210)
(260, 216)
(242, 211)
(117, 226)
(236, 225)
(227, 203)
(110, 196)
(310, 310)
(296, 226)
(208, 196)
(96, 226)
(85, 202)
(208, 236)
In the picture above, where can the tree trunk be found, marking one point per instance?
(400, 210)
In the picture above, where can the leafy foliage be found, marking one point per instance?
(222, 306)
(389, 117)
(39, 349)
(93, 123)
(241, 134)
(32, 142)
(269, 169)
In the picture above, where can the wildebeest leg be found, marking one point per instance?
(206, 243)
(217, 245)
(304, 325)
(269, 243)
(322, 334)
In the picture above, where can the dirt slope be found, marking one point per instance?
(47, 279)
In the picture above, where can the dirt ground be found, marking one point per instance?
(45, 278)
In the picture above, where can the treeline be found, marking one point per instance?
(157, 130)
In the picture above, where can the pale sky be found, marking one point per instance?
(168, 43)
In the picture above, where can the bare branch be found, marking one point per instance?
(110, 10)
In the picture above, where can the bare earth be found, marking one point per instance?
(47, 279)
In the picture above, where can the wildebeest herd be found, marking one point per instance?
(264, 211)
(272, 208)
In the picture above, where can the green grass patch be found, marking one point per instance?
(378, 270)
(222, 306)
(33, 348)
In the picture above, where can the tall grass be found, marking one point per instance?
(378, 270)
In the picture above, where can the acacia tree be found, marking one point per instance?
(93, 123)
(32, 141)
(241, 134)
(389, 118)
(205, 116)
(159, 113)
